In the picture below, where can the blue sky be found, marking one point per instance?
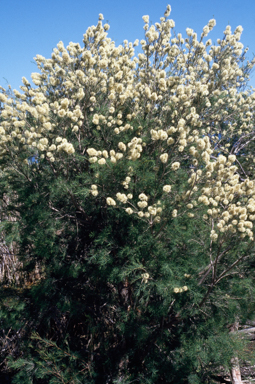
(30, 27)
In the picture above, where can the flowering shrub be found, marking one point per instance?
(144, 165)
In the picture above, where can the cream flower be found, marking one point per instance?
(145, 277)
(164, 158)
(91, 152)
(175, 166)
(143, 197)
(142, 204)
(174, 213)
(110, 201)
(146, 18)
(167, 188)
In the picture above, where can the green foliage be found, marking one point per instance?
(49, 363)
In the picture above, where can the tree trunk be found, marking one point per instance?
(235, 372)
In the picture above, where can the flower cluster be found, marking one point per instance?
(180, 290)
(177, 110)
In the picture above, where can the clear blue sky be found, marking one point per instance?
(30, 27)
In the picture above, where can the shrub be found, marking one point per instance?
(132, 180)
